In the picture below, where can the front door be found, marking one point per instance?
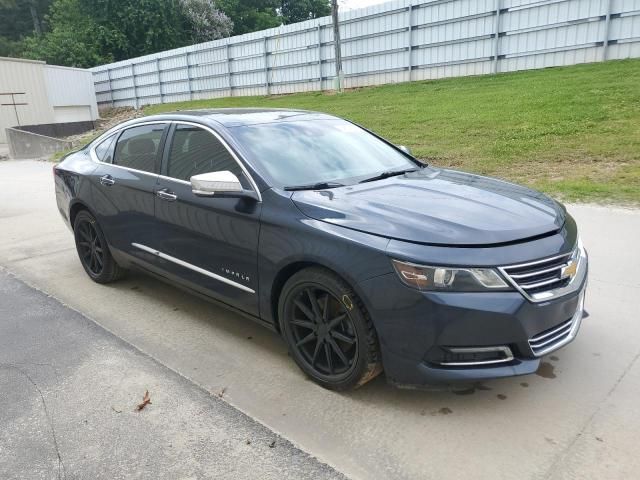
(209, 243)
(124, 185)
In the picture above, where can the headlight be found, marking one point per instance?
(451, 279)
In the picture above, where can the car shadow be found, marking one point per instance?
(425, 401)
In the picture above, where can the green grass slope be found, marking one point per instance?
(573, 132)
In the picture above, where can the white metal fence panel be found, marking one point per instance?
(398, 41)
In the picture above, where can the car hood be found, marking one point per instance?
(437, 207)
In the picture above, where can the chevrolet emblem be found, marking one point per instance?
(570, 270)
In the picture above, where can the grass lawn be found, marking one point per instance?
(573, 132)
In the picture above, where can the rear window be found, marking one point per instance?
(138, 147)
(104, 150)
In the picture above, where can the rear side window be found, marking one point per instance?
(104, 150)
(194, 151)
(138, 147)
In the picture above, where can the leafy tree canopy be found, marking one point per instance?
(17, 21)
(294, 11)
(251, 15)
(85, 33)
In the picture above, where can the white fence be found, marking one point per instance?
(398, 41)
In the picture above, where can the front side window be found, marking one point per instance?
(195, 151)
(138, 147)
(305, 151)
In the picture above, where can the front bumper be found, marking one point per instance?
(418, 331)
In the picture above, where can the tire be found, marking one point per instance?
(337, 323)
(93, 250)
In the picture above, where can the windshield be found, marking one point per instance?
(307, 152)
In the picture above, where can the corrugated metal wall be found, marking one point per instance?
(71, 89)
(398, 41)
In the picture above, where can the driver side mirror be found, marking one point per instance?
(222, 183)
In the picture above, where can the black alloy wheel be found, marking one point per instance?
(328, 331)
(90, 248)
(323, 332)
(93, 250)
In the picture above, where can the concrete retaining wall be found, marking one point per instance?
(23, 144)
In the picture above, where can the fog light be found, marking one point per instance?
(470, 356)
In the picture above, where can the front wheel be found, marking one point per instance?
(93, 250)
(328, 331)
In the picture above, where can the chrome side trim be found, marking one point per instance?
(508, 356)
(195, 268)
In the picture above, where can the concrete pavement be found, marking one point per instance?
(577, 418)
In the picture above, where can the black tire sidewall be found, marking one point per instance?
(108, 269)
(320, 278)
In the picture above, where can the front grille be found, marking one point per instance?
(536, 278)
(549, 339)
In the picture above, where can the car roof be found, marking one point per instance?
(235, 117)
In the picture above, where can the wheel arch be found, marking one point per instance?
(290, 269)
(75, 208)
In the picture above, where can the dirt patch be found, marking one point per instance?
(108, 118)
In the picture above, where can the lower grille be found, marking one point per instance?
(555, 337)
(550, 338)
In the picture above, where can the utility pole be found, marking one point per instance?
(336, 44)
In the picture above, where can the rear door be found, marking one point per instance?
(124, 185)
(210, 243)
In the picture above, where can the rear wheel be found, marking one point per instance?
(93, 250)
(328, 330)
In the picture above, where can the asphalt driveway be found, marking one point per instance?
(577, 418)
(69, 392)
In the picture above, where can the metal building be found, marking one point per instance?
(46, 99)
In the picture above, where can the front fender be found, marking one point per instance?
(288, 237)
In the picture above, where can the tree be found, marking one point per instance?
(206, 21)
(130, 29)
(251, 15)
(293, 11)
(71, 40)
(19, 19)
(85, 33)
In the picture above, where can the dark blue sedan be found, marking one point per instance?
(363, 258)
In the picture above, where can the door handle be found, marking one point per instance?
(107, 180)
(164, 194)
